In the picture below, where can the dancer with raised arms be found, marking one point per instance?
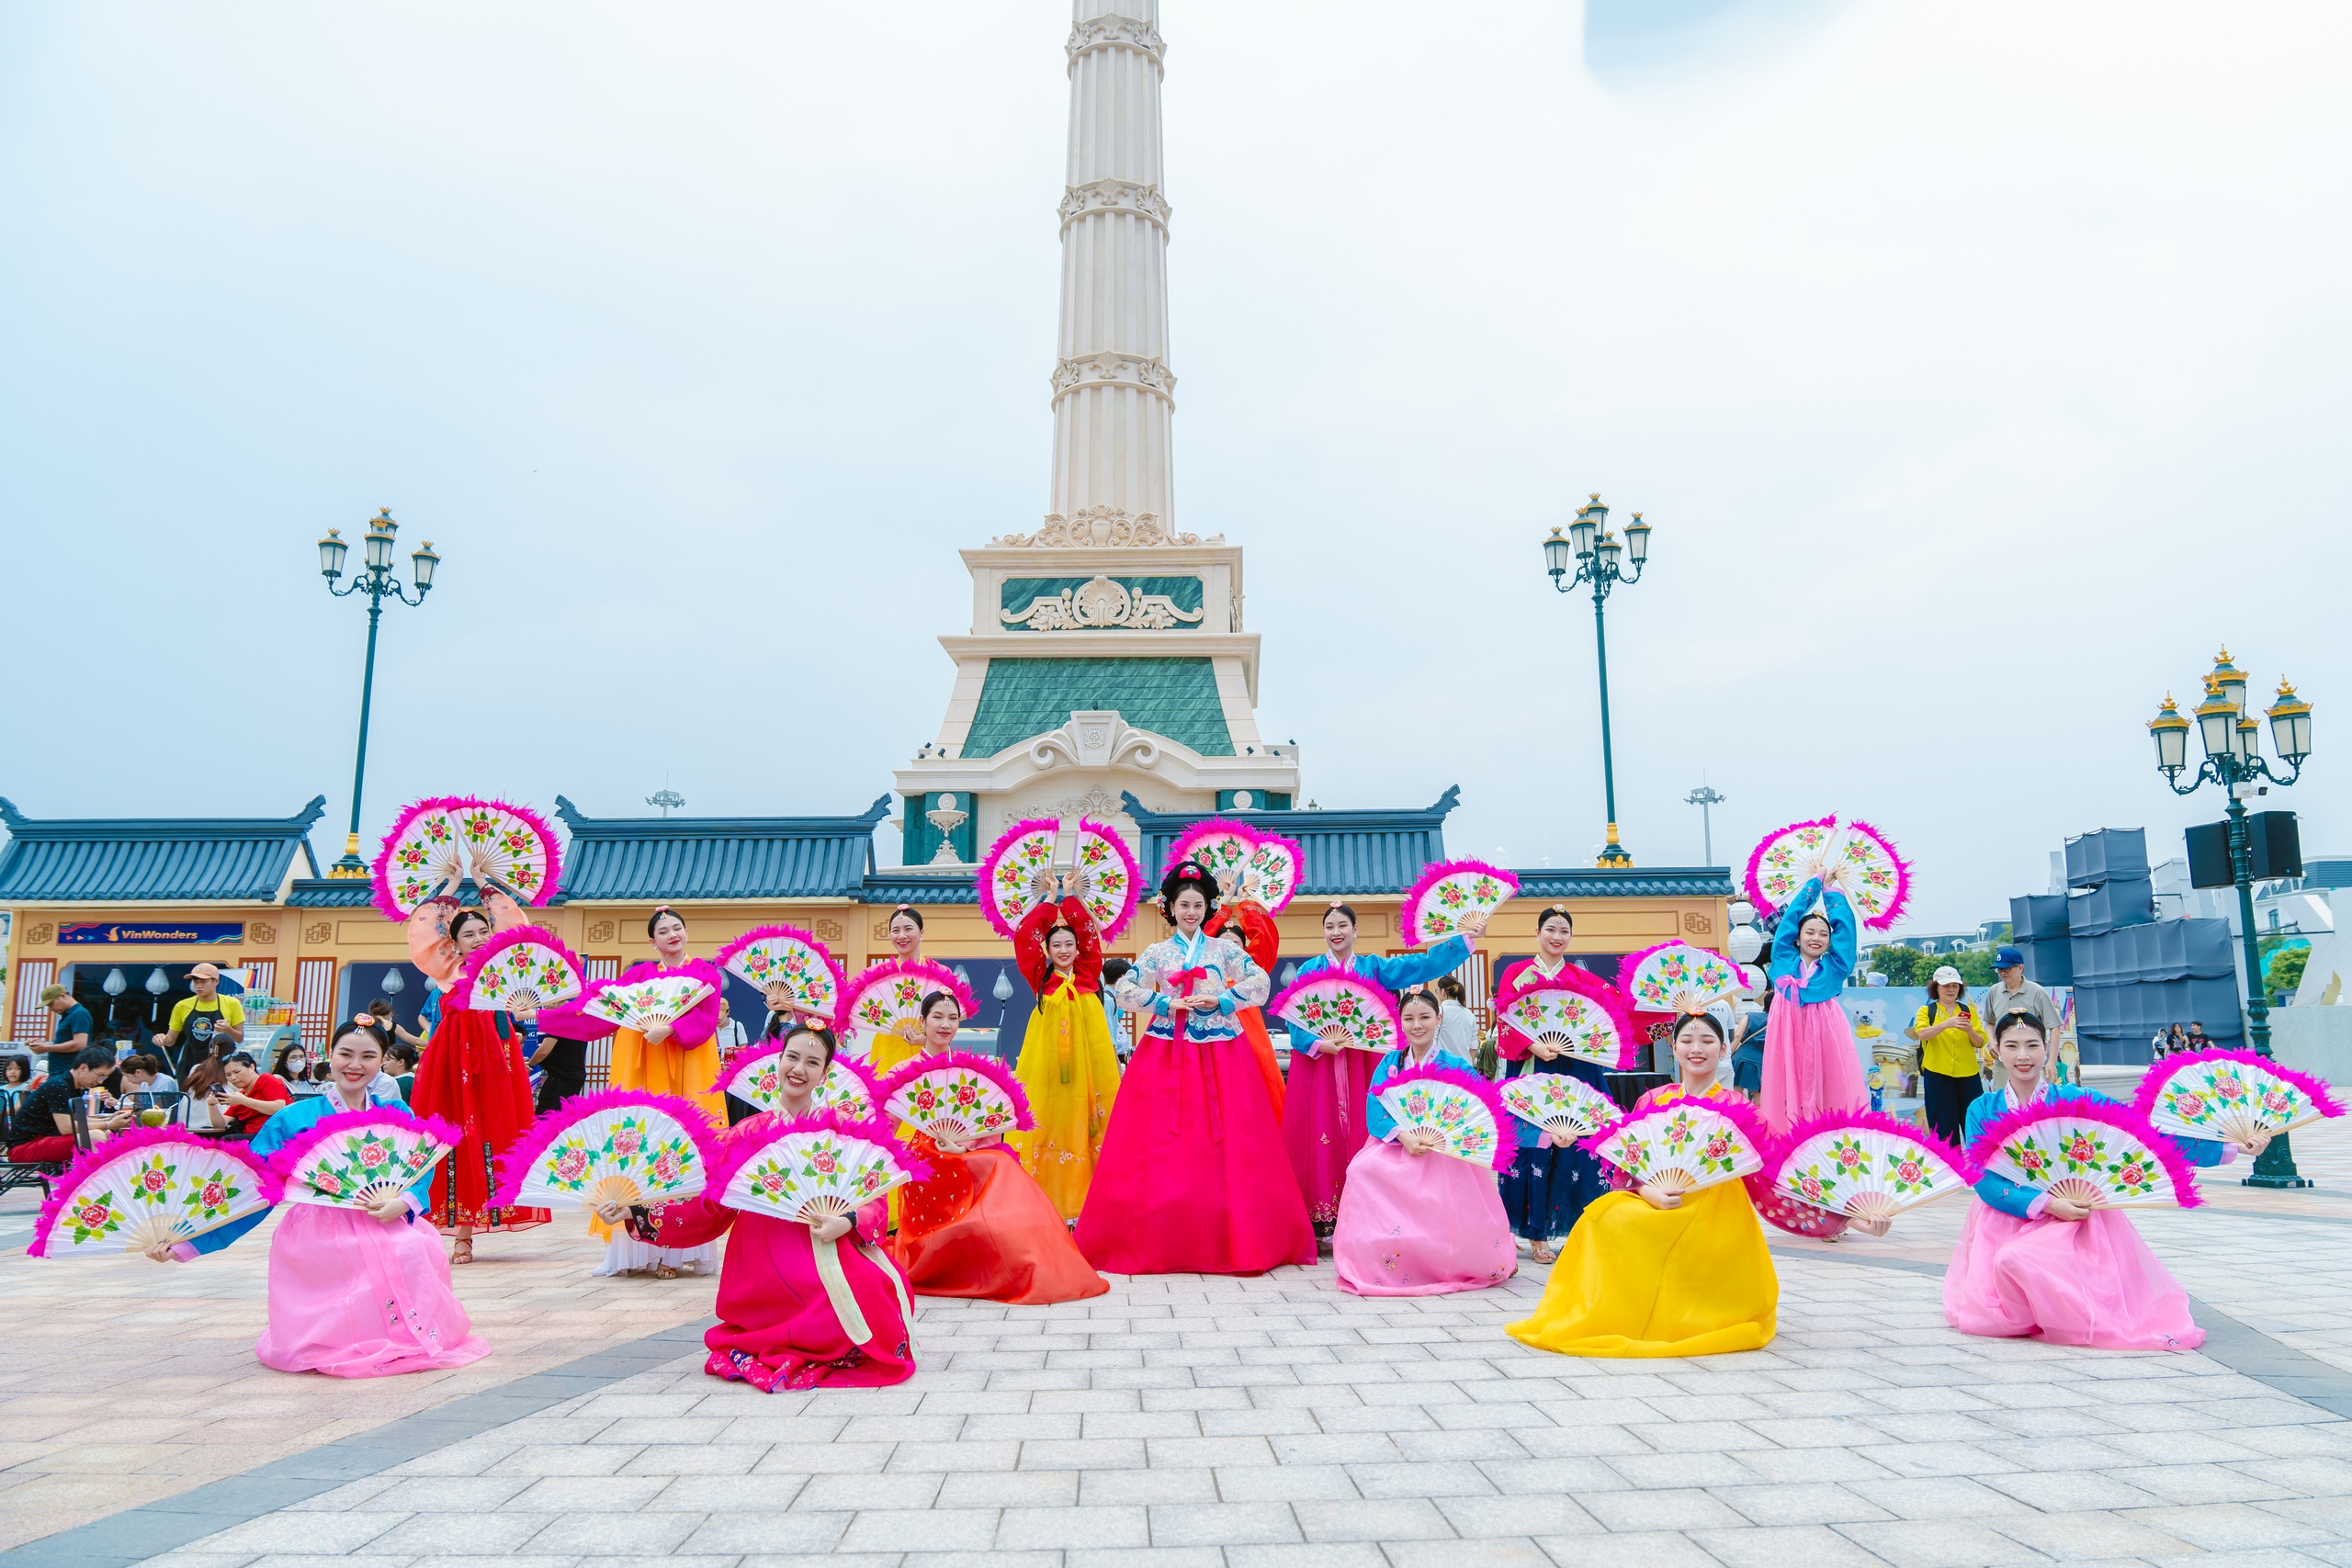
(2031, 1262)
(1194, 1179)
(1415, 1222)
(1067, 1065)
(1810, 1064)
(980, 1224)
(1322, 1112)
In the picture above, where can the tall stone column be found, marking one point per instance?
(1113, 393)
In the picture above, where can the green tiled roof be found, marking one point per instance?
(1022, 698)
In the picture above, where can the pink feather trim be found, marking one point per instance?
(761, 933)
(985, 879)
(2123, 1118)
(1378, 993)
(2151, 1084)
(1584, 983)
(1135, 876)
(1751, 1126)
(748, 1061)
(938, 976)
(514, 1163)
(745, 1145)
(90, 1161)
(288, 1157)
(1434, 873)
(1298, 857)
(1753, 882)
(988, 1067)
(1894, 911)
(1506, 1127)
(1876, 1122)
(1215, 827)
(380, 871)
(461, 994)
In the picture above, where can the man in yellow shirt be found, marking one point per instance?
(1948, 1032)
(204, 1025)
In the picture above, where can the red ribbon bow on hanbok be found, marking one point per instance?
(1181, 983)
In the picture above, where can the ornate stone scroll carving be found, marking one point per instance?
(1095, 740)
(1100, 604)
(1113, 369)
(1100, 527)
(1116, 32)
(1114, 195)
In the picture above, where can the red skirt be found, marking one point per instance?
(982, 1226)
(475, 1078)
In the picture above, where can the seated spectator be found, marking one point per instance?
(293, 1063)
(41, 1130)
(73, 1029)
(250, 1096)
(15, 1072)
(145, 1074)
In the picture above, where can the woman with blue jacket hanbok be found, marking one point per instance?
(1323, 1123)
(352, 1293)
(2030, 1263)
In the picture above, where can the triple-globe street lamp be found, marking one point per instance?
(2233, 744)
(377, 580)
(1593, 554)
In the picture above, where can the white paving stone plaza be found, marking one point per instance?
(1202, 1423)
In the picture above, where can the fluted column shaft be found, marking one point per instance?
(1113, 393)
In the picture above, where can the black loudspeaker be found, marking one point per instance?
(2277, 843)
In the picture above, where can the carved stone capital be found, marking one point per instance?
(1094, 740)
(1100, 604)
(1114, 195)
(1116, 32)
(1100, 527)
(1109, 369)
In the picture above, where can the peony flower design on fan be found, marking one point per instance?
(2229, 1085)
(212, 1199)
(2135, 1176)
(2187, 1104)
(2280, 1100)
(154, 1180)
(95, 1219)
(625, 1141)
(1907, 1173)
(1847, 1154)
(2028, 1157)
(571, 1166)
(1811, 1186)
(2082, 1150)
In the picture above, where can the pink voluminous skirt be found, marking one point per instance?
(1810, 1064)
(2090, 1282)
(1419, 1226)
(353, 1297)
(1323, 1122)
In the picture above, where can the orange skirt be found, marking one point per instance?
(982, 1226)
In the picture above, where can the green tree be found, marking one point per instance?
(2285, 970)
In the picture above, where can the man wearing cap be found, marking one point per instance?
(204, 1025)
(72, 1035)
(1950, 1034)
(2012, 992)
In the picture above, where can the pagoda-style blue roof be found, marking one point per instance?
(333, 893)
(718, 857)
(153, 859)
(1347, 851)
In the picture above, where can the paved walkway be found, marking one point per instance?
(1270, 1423)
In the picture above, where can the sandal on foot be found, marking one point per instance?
(461, 1251)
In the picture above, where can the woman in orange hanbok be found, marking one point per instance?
(980, 1225)
(1068, 1067)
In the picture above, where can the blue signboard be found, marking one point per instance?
(162, 933)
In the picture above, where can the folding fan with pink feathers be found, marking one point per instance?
(1852, 856)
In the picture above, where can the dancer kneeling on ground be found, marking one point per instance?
(783, 1323)
(2030, 1263)
(1414, 1222)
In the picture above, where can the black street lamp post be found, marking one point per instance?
(377, 580)
(1596, 556)
(2233, 742)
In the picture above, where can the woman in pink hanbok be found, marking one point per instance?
(1811, 1066)
(1414, 1222)
(2030, 1263)
(352, 1293)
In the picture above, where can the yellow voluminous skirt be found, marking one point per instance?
(1631, 1279)
(687, 1072)
(1071, 1073)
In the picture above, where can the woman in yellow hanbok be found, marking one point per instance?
(1068, 1067)
(1648, 1272)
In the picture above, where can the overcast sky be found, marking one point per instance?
(1981, 367)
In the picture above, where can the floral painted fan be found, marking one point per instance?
(1448, 890)
(1273, 871)
(1461, 1108)
(2088, 1151)
(1865, 1166)
(641, 1004)
(434, 841)
(1016, 875)
(1853, 857)
(1223, 847)
(757, 1078)
(886, 998)
(1363, 1013)
(619, 1145)
(2230, 1096)
(790, 957)
(957, 1095)
(521, 970)
(817, 1168)
(1582, 1017)
(160, 1186)
(1677, 977)
(1565, 1106)
(355, 1159)
(1686, 1144)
